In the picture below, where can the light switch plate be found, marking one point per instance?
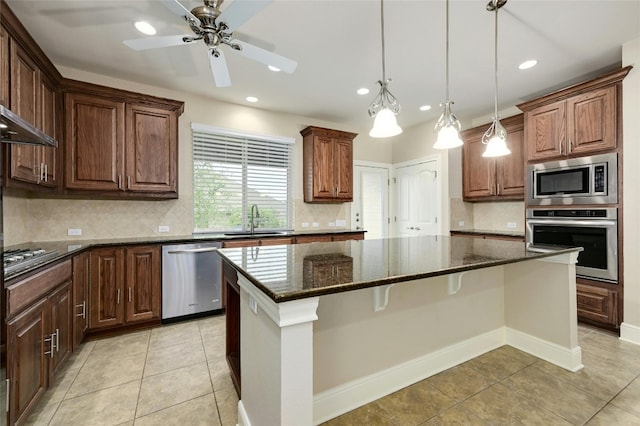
(163, 228)
(316, 225)
(461, 223)
(74, 231)
(511, 224)
(305, 224)
(253, 304)
(341, 222)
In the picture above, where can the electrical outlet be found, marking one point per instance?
(305, 224)
(316, 225)
(511, 224)
(163, 228)
(74, 231)
(331, 224)
(341, 222)
(461, 223)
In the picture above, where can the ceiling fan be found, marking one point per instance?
(216, 28)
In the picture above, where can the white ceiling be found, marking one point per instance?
(337, 46)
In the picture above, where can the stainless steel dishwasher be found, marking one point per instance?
(191, 280)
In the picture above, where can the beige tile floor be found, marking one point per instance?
(177, 375)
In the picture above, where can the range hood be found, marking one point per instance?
(16, 130)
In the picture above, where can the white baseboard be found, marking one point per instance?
(346, 397)
(570, 359)
(630, 333)
(243, 419)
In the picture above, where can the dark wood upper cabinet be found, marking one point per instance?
(94, 142)
(576, 121)
(327, 165)
(4, 67)
(492, 179)
(152, 149)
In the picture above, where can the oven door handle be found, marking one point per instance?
(591, 223)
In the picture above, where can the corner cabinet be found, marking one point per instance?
(576, 121)
(494, 179)
(327, 165)
(120, 143)
(125, 286)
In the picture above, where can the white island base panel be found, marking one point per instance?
(306, 361)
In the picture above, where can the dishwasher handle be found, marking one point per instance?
(195, 250)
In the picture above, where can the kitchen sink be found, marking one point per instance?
(249, 233)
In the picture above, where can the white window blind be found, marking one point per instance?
(234, 170)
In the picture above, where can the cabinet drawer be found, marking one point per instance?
(27, 291)
(597, 304)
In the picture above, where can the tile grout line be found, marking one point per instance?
(610, 401)
(146, 356)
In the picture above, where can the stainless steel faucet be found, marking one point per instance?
(254, 221)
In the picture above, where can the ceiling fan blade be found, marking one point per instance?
(240, 11)
(176, 7)
(156, 42)
(266, 57)
(219, 70)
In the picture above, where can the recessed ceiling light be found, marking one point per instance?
(274, 69)
(528, 64)
(251, 99)
(425, 107)
(145, 27)
(363, 91)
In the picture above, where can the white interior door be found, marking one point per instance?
(370, 208)
(417, 200)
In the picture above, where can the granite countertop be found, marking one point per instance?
(496, 232)
(68, 248)
(293, 272)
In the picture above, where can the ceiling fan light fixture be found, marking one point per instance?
(145, 28)
(496, 136)
(385, 106)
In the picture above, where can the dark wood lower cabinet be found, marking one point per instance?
(81, 271)
(232, 350)
(61, 326)
(27, 360)
(143, 283)
(598, 303)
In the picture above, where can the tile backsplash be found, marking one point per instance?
(503, 215)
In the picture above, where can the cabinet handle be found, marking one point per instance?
(57, 340)
(118, 296)
(82, 314)
(6, 404)
(570, 146)
(119, 182)
(128, 182)
(53, 345)
(499, 192)
(130, 290)
(46, 173)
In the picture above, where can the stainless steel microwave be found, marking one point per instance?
(583, 180)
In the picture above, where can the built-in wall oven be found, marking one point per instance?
(593, 229)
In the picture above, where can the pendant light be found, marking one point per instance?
(447, 127)
(385, 106)
(496, 136)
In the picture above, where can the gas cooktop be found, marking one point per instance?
(19, 259)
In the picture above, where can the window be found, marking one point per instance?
(232, 171)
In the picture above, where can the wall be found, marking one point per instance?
(630, 328)
(29, 218)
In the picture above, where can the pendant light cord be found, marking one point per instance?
(384, 74)
(495, 76)
(447, 54)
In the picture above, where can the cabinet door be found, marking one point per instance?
(478, 171)
(107, 285)
(152, 149)
(94, 143)
(27, 363)
(49, 125)
(61, 325)
(591, 121)
(4, 67)
(80, 297)
(143, 283)
(510, 169)
(546, 131)
(323, 167)
(25, 86)
(343, 160)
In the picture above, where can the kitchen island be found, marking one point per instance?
(323, 328)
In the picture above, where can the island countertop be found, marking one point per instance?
(300, 271)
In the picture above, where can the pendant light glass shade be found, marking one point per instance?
(385, 125)
(385, 106)
(496, 136)
(447, 127)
